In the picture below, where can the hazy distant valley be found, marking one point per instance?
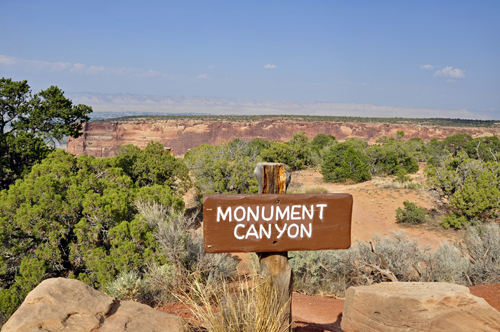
(119, 105)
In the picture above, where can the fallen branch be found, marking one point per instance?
(387, 272)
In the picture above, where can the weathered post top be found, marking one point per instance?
(272, 178)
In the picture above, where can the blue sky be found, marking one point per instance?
(433, 54)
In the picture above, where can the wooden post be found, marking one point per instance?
(274, 179)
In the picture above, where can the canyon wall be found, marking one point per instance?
(103, 139)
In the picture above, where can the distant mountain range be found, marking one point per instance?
(124, 104)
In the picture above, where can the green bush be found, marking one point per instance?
(343, 162)
(412, 213)
(468, 187)
(74, 217)
(225, 168)
(395, 156)
(455, 221)
(154, 166)
(296, 153)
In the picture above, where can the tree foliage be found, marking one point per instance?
(225, 168)
(30, 125)
(394, 156)
(296, 153)
(411, 214)
(344, 162)
(469, 187)
(154, 166)
(73, 217)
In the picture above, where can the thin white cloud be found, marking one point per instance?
(364, 84)
(211, 67)
(202, 76)
(269, 66)
(78, 68)
(8, 60)
(95, 69)
(450, 72)
(427, 67)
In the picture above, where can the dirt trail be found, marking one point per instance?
(374, 209)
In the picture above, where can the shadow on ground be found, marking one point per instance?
(301, 326)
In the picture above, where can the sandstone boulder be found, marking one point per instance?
(61, 304)
(417, 306)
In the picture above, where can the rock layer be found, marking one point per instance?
(103, 139)
(61, 304)
(412, 307)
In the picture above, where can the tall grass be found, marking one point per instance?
(249, 306)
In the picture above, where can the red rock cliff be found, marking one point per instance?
(103, 139)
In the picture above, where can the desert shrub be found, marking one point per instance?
(393, 157)
(225, 168)
(482, 244)
(343, 162)
(477, 196)
(321, 141)
(455, 221)
(154, 165)
(484, 148)
(468, 187)
(435, 152)
(128, 286)
(184, 250)
(383, 258)
(402, 177)
(257, 145)
(320, 144)
(412, 213)
(73, 217)
(250, 306)
(296, 153)
(320, 271)
(457, 143)
(447, 264)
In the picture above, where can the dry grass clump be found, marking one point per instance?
(307, 190)
(249, 306)
(387, 183)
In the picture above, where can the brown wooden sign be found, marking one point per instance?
(276, 223)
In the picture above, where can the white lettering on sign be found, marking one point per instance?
(321, 206)
(239, 208)
(223, 215)
(260, 230)
(280, 230)
(236, 232)
(254, 215)
(280, 215)
(293, 231)
(263, 215)
(263, 230)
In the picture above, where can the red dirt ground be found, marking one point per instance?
(373, 212)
